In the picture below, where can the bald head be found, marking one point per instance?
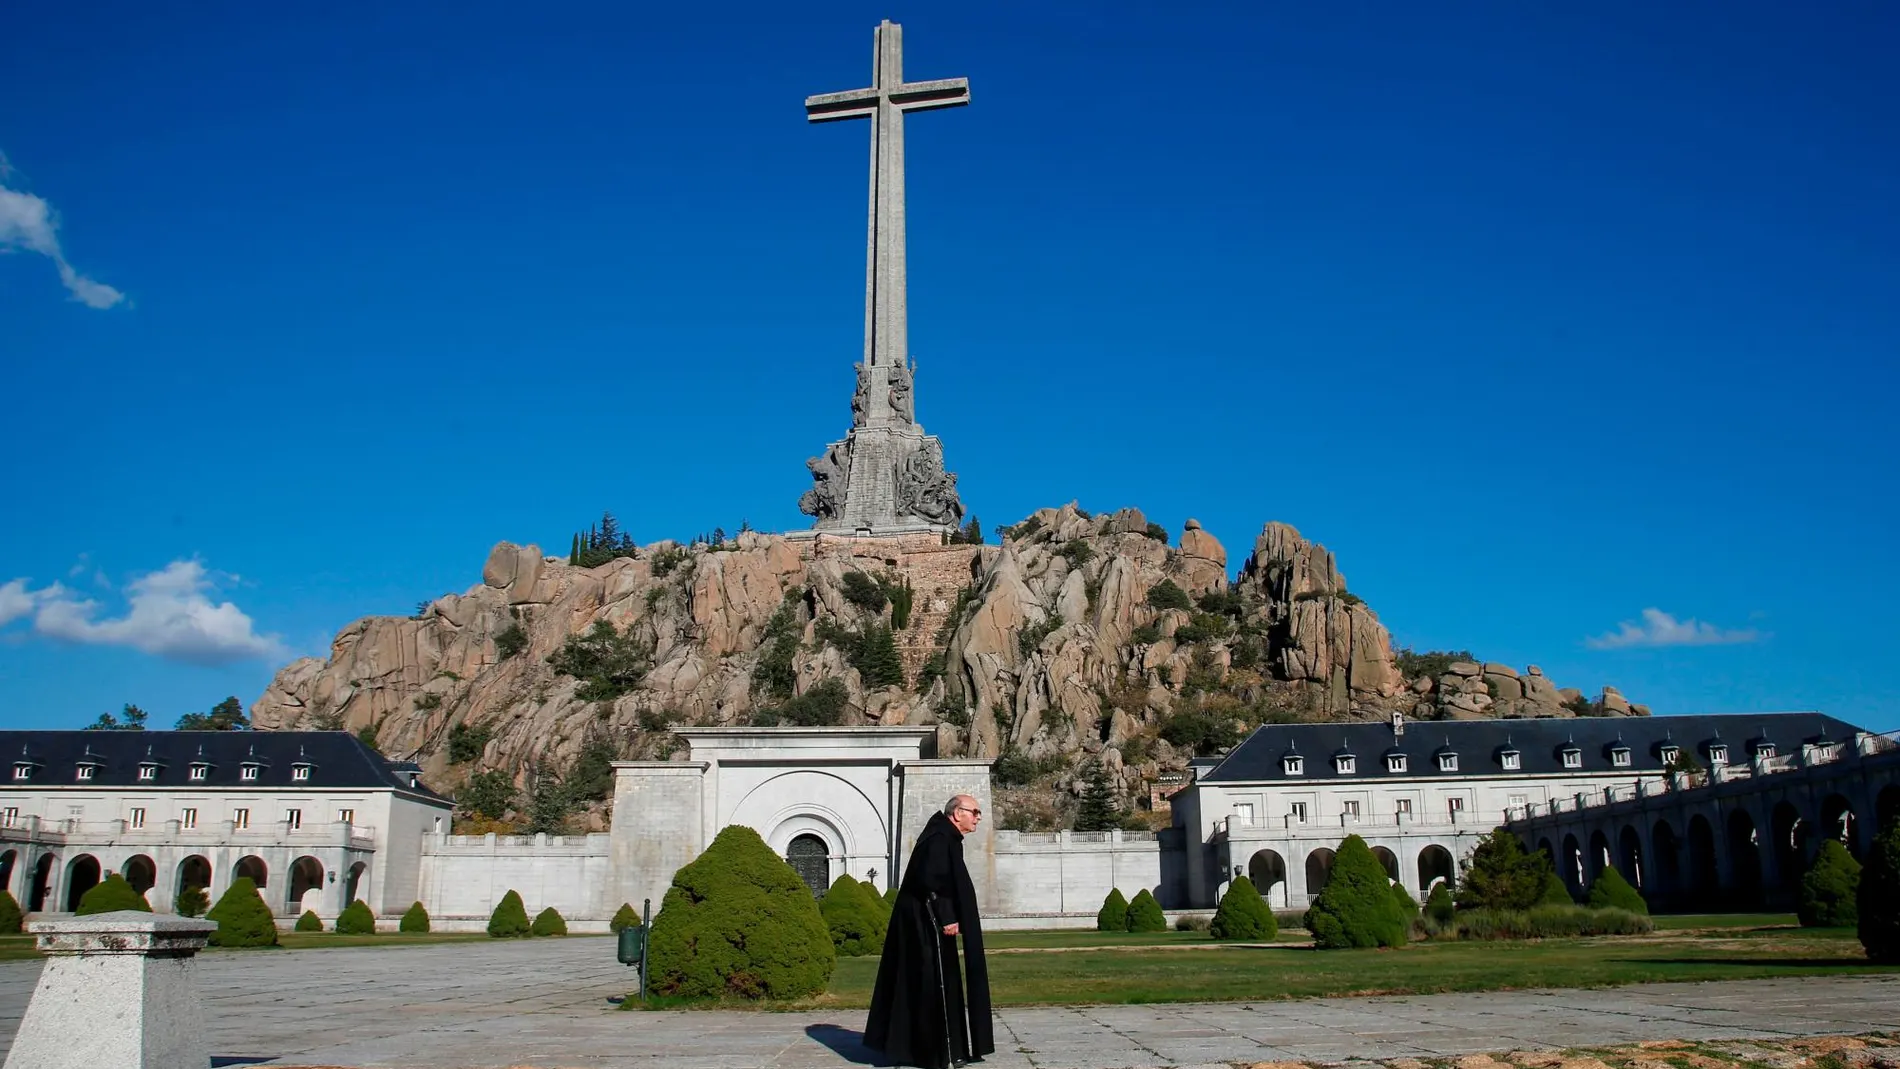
(963, 813)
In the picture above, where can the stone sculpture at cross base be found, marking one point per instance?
(886, 476)
(115, 991)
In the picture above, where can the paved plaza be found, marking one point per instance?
(544, 1003)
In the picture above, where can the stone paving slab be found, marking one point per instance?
(544, 1003)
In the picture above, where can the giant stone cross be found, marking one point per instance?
(887, 475)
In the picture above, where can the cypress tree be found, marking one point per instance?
(356, 919)
(510, 919)
(1439, 903)
(243, 918)
(1829, 888)
(415, 920)
(1144, 914)
(574, 549)
(625, 917)
(1357, 908)
(1243, 914)
(548, 922)
(309, 922)
(1113, 916)
(1878, 897)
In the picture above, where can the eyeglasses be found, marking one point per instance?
(969, 809)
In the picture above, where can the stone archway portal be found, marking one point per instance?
(811, 859)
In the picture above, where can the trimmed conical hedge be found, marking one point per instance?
(739, 923)
(856, 917)
(1878, 899)
(1113, 916)
(356, 919)
(1144, 914)
(510, 919)
(548, 922)
(1439, 904)
(191, 901)
(415, 919)
(1407, 904)
(109, 894)
(1357, 908)
(1243, 914)
(1611, 891)
(243, 918)
(11, 919)
(1830, 889)
(625, 917)
(309, 922)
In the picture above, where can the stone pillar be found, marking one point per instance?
(116, 990)
(926, 786)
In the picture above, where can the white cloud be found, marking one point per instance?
(168, 613)
(27, 222)
(1661, 629)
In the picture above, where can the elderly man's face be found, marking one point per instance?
(966, 815)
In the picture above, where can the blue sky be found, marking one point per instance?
(1544, 321)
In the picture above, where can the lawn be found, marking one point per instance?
(20, 947)
(1088, 938)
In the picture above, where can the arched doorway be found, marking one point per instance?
(252, 866)
(353, 885)
(9, 860)
(1886, 807)
(1744, 851)
(811, 859)
(1629, 851)
(42, 883)
(1434, 864)
(81, 876)
(1702, 885)
(1599, 856)
(194, 871)
(1838, 822)
(140, 871)
(1267, 870)
(1319, 870)
(1571, 868)
(1790, 834)
(1388, 861)
(1667, 861)
(306, 874)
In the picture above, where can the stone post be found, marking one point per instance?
(115, 990)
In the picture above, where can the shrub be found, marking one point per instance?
(821, 706)
(1439, 905)
(11, 919)
(1611, 891)
(1554, 892)
(466, 742)
(1166, 595)
(1498, 874)
(737, 921)
(548, 922)
(109, 894)
(309, 922)
(490, 794)
(1144, 914)
(1158, 533)
(1192, 924)
(1828, 888)
(414, 919)
(1113, 916)
(890, 896)
(1243, 914)
(1878, 898)
(191, 901)
(608, 662)
(625, 917)
(864, 592)
(510, 919)
(510, 640)
(856, 917)
(356, 919)
(1408, 906)
(243, 918)
(1544, 922)
(1357, 908)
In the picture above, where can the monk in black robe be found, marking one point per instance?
(913, 1002)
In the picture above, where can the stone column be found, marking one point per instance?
(116, 990)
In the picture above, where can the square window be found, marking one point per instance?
(1405, 807)
(1447, 762)
(300, 773)
(1299, 812)
(1293, 766)
(1513, 761)
(346, 816)
(1454, 805)
(1573, 758)
(1243, 813)
(294, 818)
(1718, 755)
(241, 818)
(1669, 754)
(148, 773)
(199, 773)
(248, 772)
(187, 818)
(85, 772)
(1620, 758)
(1395, 762)
(1352, 808)
(1346, 765)
(22, 772)
(138, 817)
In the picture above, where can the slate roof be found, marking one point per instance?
(1480, 744)
(336, 759)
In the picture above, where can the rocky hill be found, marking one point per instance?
(1079, 637)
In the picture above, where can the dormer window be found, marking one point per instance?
(85, 772)
(148, 773)
(1572, 756)
(1293, 765)
(1620, 756)
(1669, 754)
(22, 771)
(1345, 764)
(1395, 762)
(199, 772)
(248, 773)
(300, 773)
(1764, 749)
(1718, 753)
(1447, 761)
(1510, 760)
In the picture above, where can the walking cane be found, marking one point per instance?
(943, 997)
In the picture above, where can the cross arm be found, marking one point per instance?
(851, 104)
(929, 96)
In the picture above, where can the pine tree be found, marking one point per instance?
(510, 919)
(1097, 811)
(1144, 914)
(415, 920)
(243, 918)
(1439, 905)
(1113, 916)
(1829, 889)
(972, 532)
(1243, 914)
(1357, 909)
(1878, 897)
(609, 532)
(574, 550)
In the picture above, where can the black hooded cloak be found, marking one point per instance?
(907, 1015)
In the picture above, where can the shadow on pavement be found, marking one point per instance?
(846, 1043)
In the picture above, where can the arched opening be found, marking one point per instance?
(140, 871)
(252, 866)
(1434, 865)
(1389, 861)
(42, 883)
(1837, 822)
(194, 871)
(9, 860)
(1702, 886)
(1629, 853)
(1667, 861)
(1744, 851)
(306, 874)
(1599, 857)
(1886, 807)
(1572, 868)
(1550, 854)
(1790, 834)
(81, 876)
(353, 883)
(1319, 869)
(1267, 870)
(811, 859)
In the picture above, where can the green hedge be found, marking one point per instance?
(1356, 908)
(1144, 914)
(510, 919)
(1439, 905)
(739, 923)
(1243, 914)
(1539, 922)
(243, 918)
(1611, 891)
(309, 922)
(414, 919)
(548, 922)
(1829, 889)
(1113, 916)
(1878, 899)
(11, 918)
(625, 917)
(1408, 906)
(356, 919)
(109, 894)
(191, 901)
(855, 914)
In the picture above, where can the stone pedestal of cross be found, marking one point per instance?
(887, 475)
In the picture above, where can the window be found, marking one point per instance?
(199, 772)
(1293, 766)
(1405, 807)
(1512, 760)
(241, 818)
(1454, 805)
(1766, 749)
(187, 818)
(85, 772)
(248, 772)
(294, 818)
(13, 816)
(300, 773)
(1395, 762)
(1620, 757)
(1243, 814)
(1345, 764)
(1352, 808)
(148, 773)
(1447, 762)
(138, 817)
(1573, 757)
(1669, 754)
(1718, 754)
(22, 771)
(1517, 801)
(1299, 812)
(346, 816)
